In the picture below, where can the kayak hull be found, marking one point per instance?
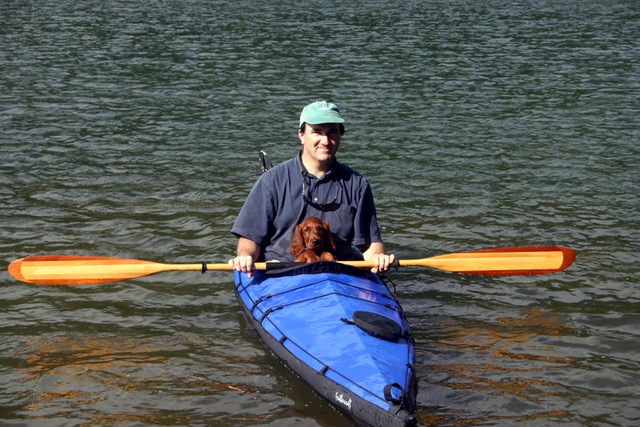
(340, 329)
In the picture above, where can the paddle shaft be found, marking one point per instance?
(86, 270)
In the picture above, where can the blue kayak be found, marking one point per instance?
(340, 329)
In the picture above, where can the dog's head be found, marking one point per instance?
(313, 234)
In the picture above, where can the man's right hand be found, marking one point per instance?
(243, 264)
(246, 254)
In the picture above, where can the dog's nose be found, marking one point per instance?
(315, 241)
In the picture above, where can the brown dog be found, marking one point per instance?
(312, 241)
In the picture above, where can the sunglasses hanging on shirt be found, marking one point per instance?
(329, 206)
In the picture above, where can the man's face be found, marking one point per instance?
(321, 142)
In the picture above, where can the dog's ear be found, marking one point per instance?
(329, 244)
(297, 241)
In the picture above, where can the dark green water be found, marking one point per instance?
(132, 129)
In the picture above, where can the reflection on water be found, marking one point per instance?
(504, 359)
(113, 380)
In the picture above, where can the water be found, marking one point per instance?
(132, 130)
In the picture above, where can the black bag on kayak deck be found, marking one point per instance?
(378, 326)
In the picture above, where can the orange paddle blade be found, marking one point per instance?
(524, 260)
(86, 270)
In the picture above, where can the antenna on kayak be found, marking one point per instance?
(265, 163)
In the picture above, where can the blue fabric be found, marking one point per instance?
(276, 204)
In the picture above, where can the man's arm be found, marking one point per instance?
(247, 252)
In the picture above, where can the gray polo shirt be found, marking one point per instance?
(287, 194)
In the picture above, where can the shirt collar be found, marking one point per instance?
(333, 171)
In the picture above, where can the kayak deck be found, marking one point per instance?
(341, 330)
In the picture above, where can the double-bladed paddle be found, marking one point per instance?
(88, 270)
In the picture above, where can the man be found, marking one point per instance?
(313, 183)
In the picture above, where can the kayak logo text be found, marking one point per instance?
(340, 399)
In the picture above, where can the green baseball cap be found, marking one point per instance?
(320, 112)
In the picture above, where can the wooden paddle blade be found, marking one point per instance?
(523, 260)
(86, 270)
